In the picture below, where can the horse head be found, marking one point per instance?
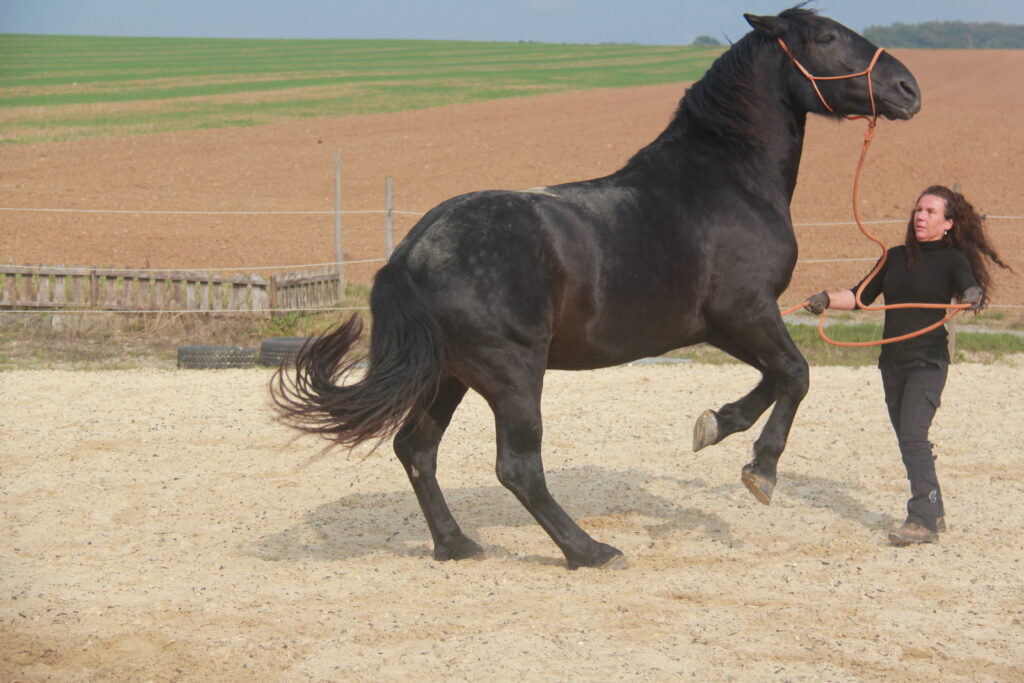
(832, 65)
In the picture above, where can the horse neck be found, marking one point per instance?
(737, 121)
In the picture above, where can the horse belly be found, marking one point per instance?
(614, 340)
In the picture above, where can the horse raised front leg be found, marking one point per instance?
(713, 426)
(786, 378)
(788, 366)
(519, 469)
(416, 447)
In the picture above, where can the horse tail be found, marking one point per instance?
(402, 369)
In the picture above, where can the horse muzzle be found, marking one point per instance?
(897, 94)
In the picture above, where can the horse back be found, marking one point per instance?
(592, 272)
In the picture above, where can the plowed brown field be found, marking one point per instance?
(968, 132)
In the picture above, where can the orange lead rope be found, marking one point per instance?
(868, 135)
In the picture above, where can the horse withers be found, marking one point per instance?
(691, 241)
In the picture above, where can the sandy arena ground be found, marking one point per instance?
(158, 525)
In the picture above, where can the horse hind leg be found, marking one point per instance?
(520, 470)
(416, 447)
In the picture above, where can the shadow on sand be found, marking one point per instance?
(363, 523)
(360, 524)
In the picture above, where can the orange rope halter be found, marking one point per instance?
(868, 135)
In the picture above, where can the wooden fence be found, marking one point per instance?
(303, 290)
(94, 289)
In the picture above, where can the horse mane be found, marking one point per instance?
(727, 102)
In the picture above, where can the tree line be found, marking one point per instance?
(948, 34)
(932, 34)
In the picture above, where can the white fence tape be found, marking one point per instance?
(237, 269)
(207, 213)
(251, 312)
(93, 311)
(325, 212)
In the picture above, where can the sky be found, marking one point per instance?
(648, 22)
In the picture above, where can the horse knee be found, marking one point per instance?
(793, 386)
(797, 380)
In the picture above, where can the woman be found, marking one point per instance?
(943, 258)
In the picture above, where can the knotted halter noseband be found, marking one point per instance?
(814, 81)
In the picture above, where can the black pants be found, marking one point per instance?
(913, 392)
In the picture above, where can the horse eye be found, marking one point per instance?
(827, 38)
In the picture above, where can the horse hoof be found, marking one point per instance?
(463, 549)
(758, 485)
(606, 557)
(705, 431)
(617, 563)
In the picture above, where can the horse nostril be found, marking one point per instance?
(908, 89)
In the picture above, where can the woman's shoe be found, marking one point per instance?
(911, 533)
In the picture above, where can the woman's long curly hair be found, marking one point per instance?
(967, 235)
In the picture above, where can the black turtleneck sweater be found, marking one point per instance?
(940, 274)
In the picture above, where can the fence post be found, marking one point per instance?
(389, 224)
(337, 224)
(272, 294)
(94, 288)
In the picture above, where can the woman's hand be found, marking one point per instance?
(817, 303)
(974, 296)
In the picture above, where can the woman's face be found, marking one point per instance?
(930, 222)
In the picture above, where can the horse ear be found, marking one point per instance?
(773, 27)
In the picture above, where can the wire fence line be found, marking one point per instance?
(208, 269)
(345, 212)
(325, 309)
(327, 264)
(253, 212)
(184, 311)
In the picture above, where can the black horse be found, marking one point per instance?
(690, 242)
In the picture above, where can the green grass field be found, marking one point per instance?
(64, 87)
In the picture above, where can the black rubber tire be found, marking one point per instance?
(216, 357)
(278, 350)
